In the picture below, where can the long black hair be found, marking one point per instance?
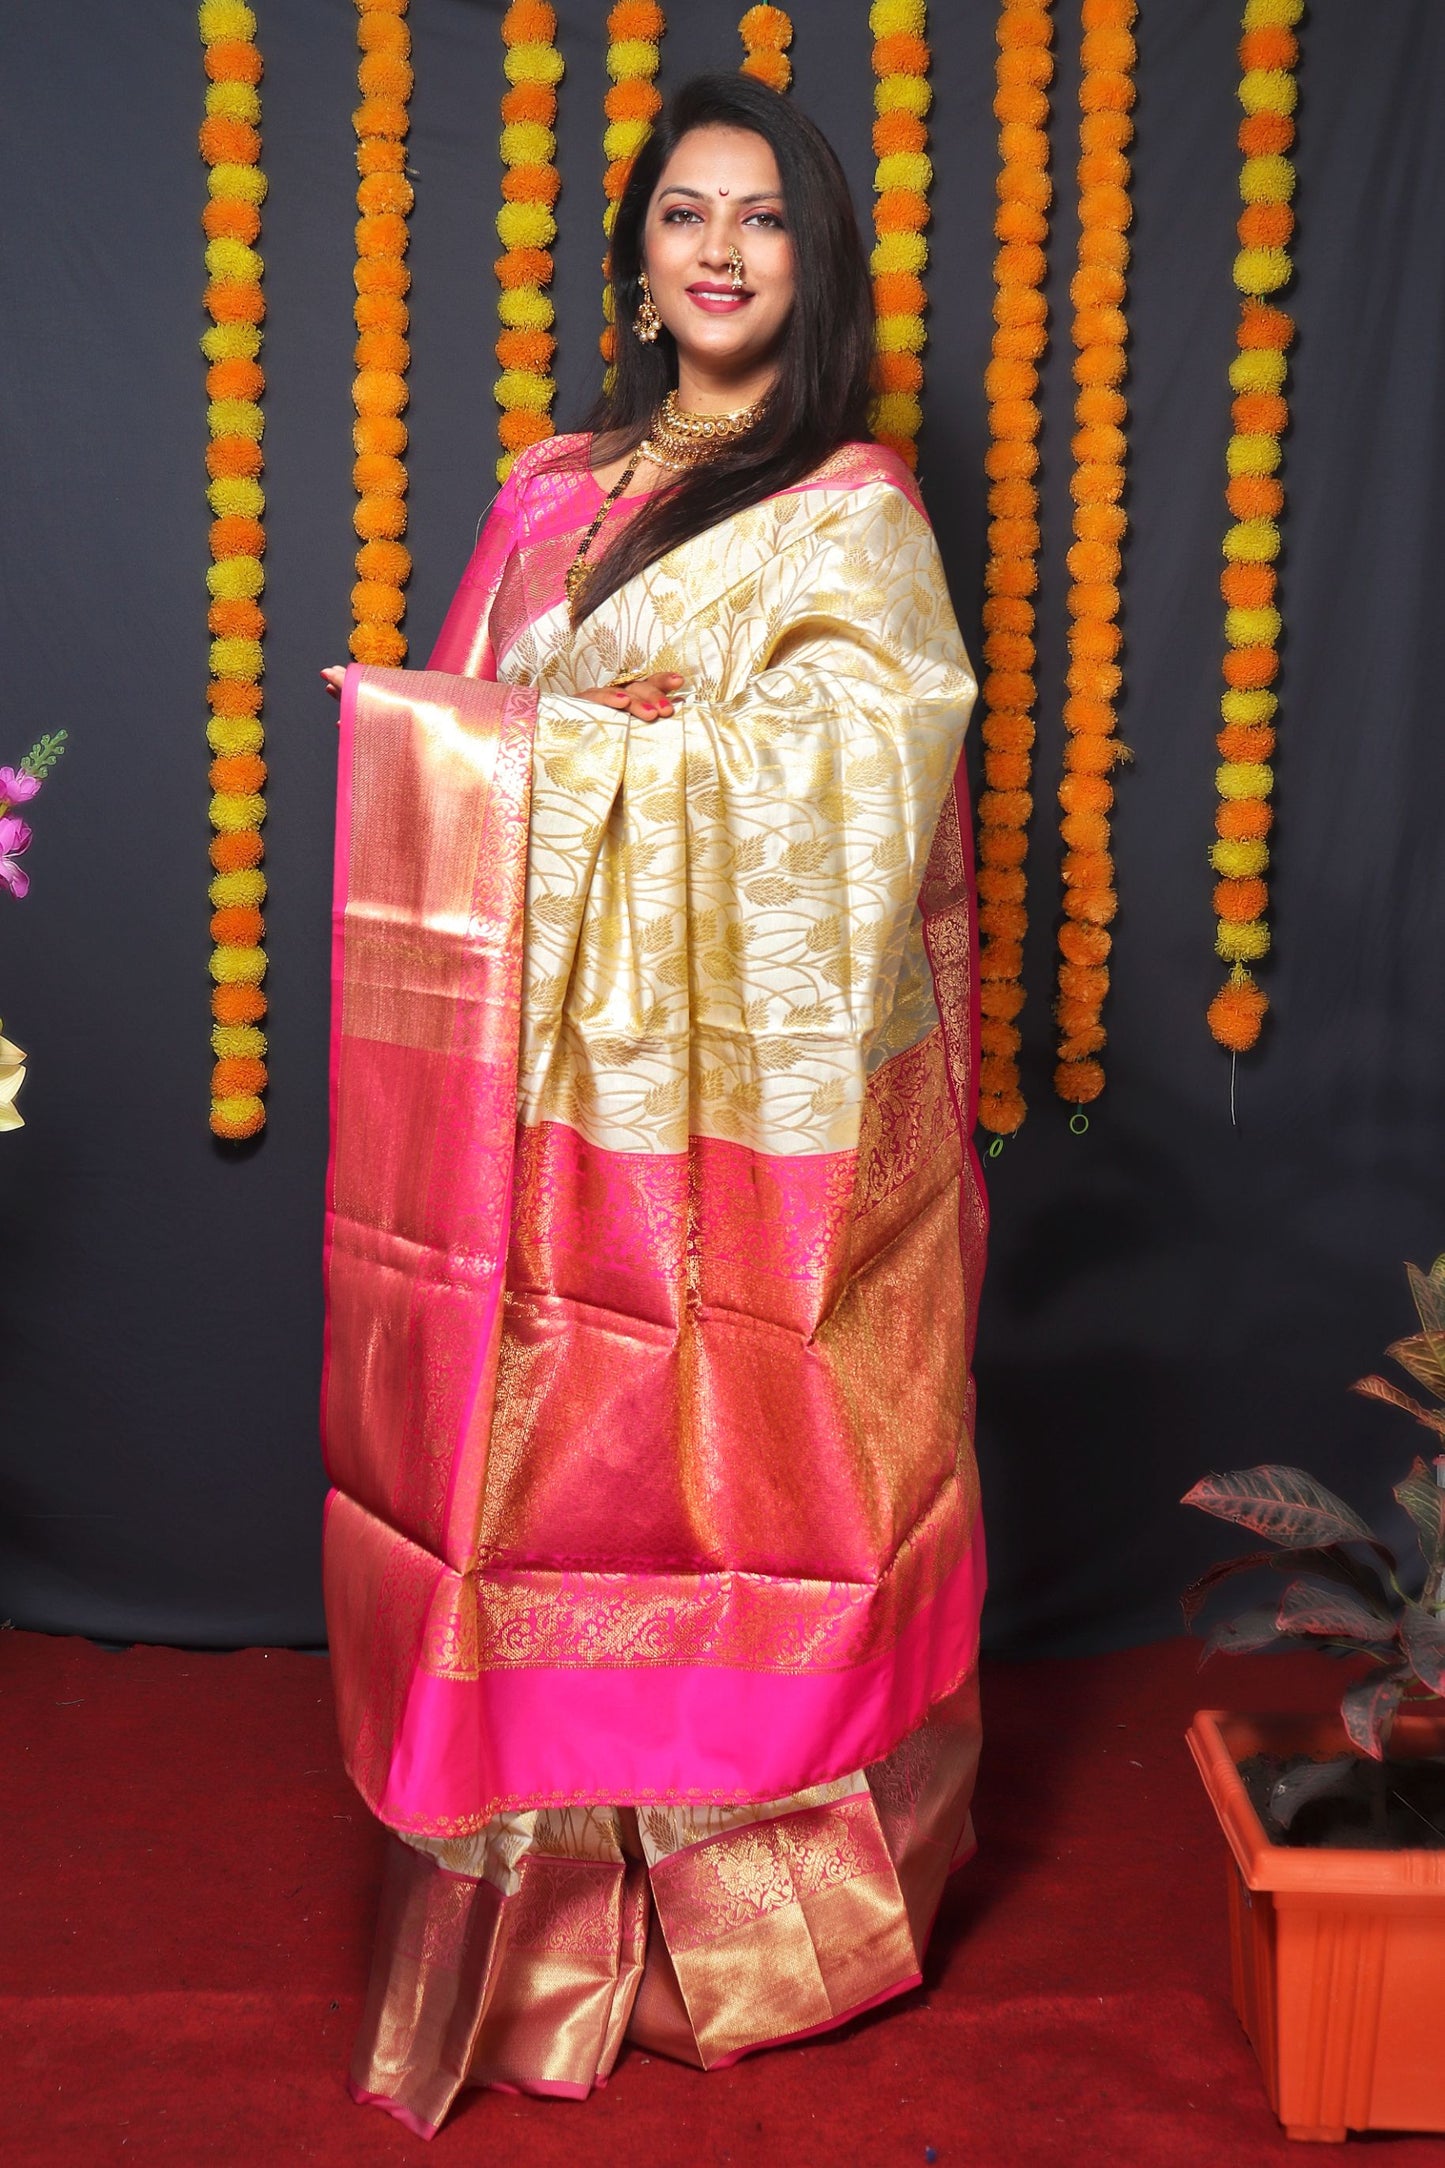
(820, 396)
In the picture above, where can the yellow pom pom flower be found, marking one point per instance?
(1256, 454)
(1252, 628)
(630, 57)
(1244, 779)
(903, 94)
(236, 659)
(231, 342)
(236, 494)
(235, 418)
(1239, 859)
(228, 735)
(904, 169)
(231, 811)
(526, 225)
(234, 101)
(898, 252)
(236, 579)
(233, 260)
(1248, 705)
(1261, 270)
(897, 18)
(1241, 941)
(1258, 368)
(523, 388)
(238, 1042)
(1272, 14)
(1252, 542)
(1269, 179)
(226, 20)
(1267, 90)
(237, 184)
(527, 143)
(525, 308)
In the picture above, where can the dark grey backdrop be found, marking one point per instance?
(1167, 1294)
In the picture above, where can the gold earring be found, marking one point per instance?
(646, 324)
(735, 268)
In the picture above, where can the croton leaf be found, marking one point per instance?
(1334, 1563)
(1428, 1289)
(1424, 1501)
(1369, 1710)
(1381, 1389)
(1423, 1355)
(1311, 1606)
(1284, 1504)
(1192, 1600)
(1424, 1637)
(1242, 1635)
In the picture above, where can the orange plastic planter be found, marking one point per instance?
(1337, 1956)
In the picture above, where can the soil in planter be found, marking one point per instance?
(1349, 1803)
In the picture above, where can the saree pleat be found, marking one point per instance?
(780, 1926)
(655, 1236)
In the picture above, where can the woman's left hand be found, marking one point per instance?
(643, 697)
(334, 678)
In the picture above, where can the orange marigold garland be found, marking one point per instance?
(379, 393)
(1268, 52)
(527, 227)
(1021, 107)
(230, 144)
(902, 178)
(766, 34)
(1092, 747)
(634, 37)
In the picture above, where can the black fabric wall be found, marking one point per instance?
(1167, 1294)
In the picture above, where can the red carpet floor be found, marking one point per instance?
(185, 1894)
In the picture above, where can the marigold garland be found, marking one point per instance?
(902, 178)
(1268, 52)
(767, 33)
(527, 227)
(382, 354)
(1021, 107)
(1092, 747)
(634, 37)
(230, 144)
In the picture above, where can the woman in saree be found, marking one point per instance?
(655, 1232)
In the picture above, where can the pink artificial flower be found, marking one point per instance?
(16, 786)
(14, 838)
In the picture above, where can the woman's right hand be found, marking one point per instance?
(645, 697)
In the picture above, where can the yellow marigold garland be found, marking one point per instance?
(527, 227)
(383, 200)
(1268, 52)
(634, 37)
(767, 33)
(230, 144)
(902, 177)
(1021, 107)
(1092, 747)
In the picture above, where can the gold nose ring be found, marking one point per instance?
(735, 267)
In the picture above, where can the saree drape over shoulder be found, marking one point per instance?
(655, 1235)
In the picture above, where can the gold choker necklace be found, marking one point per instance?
(679, 440)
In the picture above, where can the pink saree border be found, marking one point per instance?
(466, 1750)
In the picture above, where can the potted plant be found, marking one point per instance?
(17, 787)
(1336, 1824)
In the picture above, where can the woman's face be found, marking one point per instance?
(720, 190)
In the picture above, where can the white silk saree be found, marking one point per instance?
(655, 1235)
